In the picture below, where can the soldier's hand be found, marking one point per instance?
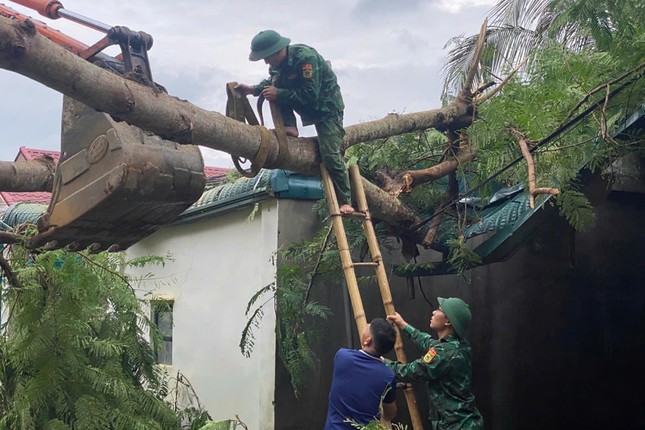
(270, 93)
(397, 320)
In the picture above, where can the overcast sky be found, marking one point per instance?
(387, 54)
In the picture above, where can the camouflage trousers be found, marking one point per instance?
(330, 135)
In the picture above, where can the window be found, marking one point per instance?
(162, 318)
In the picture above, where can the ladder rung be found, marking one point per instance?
(355, 214)
(365, 264)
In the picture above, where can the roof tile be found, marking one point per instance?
(29, 154)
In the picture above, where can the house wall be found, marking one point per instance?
(299, 222)
(217, 265)
(557, 331)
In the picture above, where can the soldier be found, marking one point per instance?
(302, 81)
(445, 367)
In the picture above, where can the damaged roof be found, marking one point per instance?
(508, 217)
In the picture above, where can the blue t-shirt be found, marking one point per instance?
(359, 382)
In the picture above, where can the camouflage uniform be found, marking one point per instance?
(307, 85)
(446, 368)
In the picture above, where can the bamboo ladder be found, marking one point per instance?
(376, 263)
(240, 109)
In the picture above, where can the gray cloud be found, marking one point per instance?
(367, 9)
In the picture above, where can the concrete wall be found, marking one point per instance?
(218, 264)
(558, 329)
(298, 222)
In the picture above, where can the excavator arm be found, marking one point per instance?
(55, 36)
(114, 184)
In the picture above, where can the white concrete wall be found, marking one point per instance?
(219, 263)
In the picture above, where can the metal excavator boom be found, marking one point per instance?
(114, 183)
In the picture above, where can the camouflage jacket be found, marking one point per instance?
(446, 368)
(307, 84)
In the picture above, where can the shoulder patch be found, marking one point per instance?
(307, 71)
(429, 355)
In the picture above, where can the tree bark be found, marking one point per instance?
(33, 175)
(23, 50)
(403, 182)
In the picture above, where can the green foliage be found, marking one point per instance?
(232, 175)
(404, 152)
(219, 425)
(407, 269)
(376, 425)
(412, 151)
(579, 50)
(224, 425)
(295, 325)
(461, 257)
(74, 349)
(185, 402)
(247, 340)
(577, 209)
(195, 418)
(296, 315)
(254, 212)
(539, 104)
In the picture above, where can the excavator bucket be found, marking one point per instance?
(115, 183)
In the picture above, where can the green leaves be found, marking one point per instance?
(75, 352)
(297, 317)
(577, 209)
(461, 257)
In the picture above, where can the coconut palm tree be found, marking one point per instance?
(518, 29)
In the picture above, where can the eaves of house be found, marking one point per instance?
(268, 184)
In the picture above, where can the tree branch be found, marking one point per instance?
(466, 94)
(601, 87)
(451, 192)
(404, 182)
(533, 191)
(481, 99)
(11, 276)
(10, 238)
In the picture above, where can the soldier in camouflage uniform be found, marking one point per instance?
(302, 81)
(445, 366)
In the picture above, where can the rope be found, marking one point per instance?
(260, 157)
(239, 108)
(278, 122)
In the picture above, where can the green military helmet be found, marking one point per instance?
(265, 43)
(458, 312)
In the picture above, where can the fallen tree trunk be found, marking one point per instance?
(33, 175)
(23, 50)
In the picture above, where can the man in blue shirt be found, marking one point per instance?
(361, 380)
